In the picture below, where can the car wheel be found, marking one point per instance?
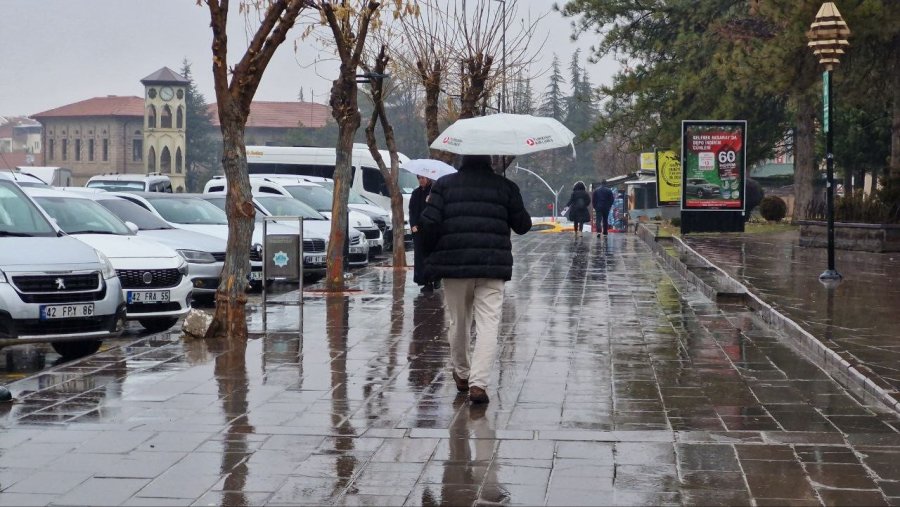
(701, 194)
(158, 324)
(76, 349)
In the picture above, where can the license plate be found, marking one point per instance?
(314, 259)
(66, 311)
(356, 249)
(148, 297)
(256, 275)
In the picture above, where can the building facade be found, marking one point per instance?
(165, 125)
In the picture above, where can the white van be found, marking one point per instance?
(152, 182)
(367, 179)
(53, 176)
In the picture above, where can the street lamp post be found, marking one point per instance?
(554, 192)
(828, 38)
(503, 82)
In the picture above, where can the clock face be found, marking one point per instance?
(166, 93)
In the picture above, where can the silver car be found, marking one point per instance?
(53, 288)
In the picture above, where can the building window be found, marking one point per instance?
(137, 150)
(165, 161)
(90, 150)
(78, 149)
(105, 150)
(165, 119)
(178, 163)
(151, 117)
(65, 149)
(179, 119)
(51, 149)
(151, 160)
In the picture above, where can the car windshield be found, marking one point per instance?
(128, 211)
(189, 210)
(116, 186)
(82, 216)
(18, 215)
(287, 207)
(317, 197)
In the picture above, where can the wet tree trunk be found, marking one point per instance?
(431, 82)
(895, 114)
(476, 70)
(805, 168)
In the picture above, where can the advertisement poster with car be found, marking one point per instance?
(713, 160)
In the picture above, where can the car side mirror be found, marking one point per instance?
(132, 227)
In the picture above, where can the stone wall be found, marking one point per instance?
(847, 236)
(119, 133)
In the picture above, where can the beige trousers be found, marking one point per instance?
(481, 299)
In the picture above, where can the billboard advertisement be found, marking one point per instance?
(713, 160)
(668, 178)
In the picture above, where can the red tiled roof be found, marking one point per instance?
(281, 115)
(98, 106)
(12, 160)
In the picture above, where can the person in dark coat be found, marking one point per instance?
(467, 222)
(603, 201)
(416, 206)
(579, 208)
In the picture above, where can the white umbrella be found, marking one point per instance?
(430, 168)
(504, 134)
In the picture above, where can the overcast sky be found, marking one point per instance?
(56, 52)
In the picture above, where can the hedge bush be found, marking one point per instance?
(773, 208)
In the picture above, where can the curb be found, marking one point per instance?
(813, 349)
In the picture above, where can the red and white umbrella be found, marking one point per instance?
(504, 134)
(429, 168)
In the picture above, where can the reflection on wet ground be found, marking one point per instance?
(617, 384)
(858, 319)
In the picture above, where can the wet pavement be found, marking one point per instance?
(617, 384)
(858, 319)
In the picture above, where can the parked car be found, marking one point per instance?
(24, 179)
(154, 278)
(53, 176)
(204, 254)
(700, 188)
(316, 196)
(153, 182)
(315, 227)
(53, 288)
(190, 212)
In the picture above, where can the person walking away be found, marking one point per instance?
(416, 206)
(466, 224)
(579, 208)
(603, 201)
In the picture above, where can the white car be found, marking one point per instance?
(315, 227)
(154, 277)
(204, 254)
(315, 196)
(128, 182)
(190, 212)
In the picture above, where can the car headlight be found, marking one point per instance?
(106, 267)
(183, 267)
(197, 257)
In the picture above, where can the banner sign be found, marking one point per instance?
(668, 178)
(648, 161)
(713, 160)
(282, 256)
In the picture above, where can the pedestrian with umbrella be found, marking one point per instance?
(467, 223)
(426, 171)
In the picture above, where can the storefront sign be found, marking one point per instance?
(668, 178)
(713, 162)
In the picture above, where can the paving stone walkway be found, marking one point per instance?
(617, 384)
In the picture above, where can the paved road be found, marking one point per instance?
(617, 384)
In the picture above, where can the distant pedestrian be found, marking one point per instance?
(416, 206)
(579, 208)
(603, 201)
(466, 224)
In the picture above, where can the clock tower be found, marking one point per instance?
(165, 123)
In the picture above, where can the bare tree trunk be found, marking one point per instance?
(339, 209)
(895, 114)
(476, 71)
(431, 81)
(805, 167)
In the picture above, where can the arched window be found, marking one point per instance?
(151, 160)
(179, 118)
(151, 117)
(165, 119)
(165, 161)
(178, 162)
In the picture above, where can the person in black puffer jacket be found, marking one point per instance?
(466, 227)
(579, 208)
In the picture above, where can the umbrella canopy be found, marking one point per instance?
(504, 134)
(429, 168)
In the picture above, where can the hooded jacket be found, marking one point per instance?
(467, 222)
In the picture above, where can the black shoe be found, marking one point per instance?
(427, 288)
(598, 234)
(478, 395)
(462, 384)
(436, 285)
